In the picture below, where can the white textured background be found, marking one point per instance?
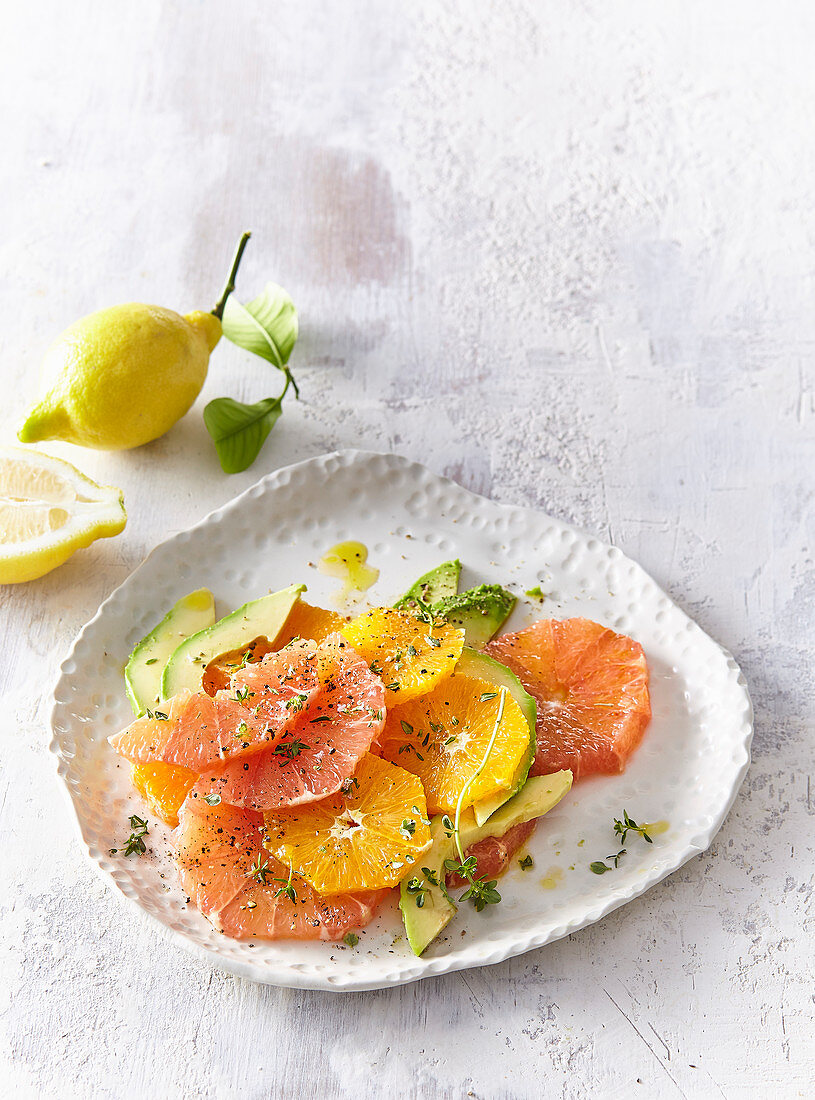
(560, 252)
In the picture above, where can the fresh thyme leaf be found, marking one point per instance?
(351, 939)
(321, 718)
(213, 799)
(412, 651)
(289, 749)
(408, 826)
(598, 867)
(447, 825)
(435, 642)
(407, 729)
(526, 863)
(287, 889)
(482, 893)
(259, 870)
(151, 661)
(487, 695)
(134, 845)
(628, 825)
(395, 686)
(162, 717)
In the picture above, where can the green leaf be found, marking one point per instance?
(239, 431)
(266, 326)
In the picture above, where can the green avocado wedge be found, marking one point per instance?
(433, 585)
(191, 614)
(474, 663)
(261, 618)
(481, 611)
(426, 918)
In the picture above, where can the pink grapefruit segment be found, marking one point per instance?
(335, 726)
(493, 853)
(240, 887)
(591, 689)
(197, 731)
(186, 733)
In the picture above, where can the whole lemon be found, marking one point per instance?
(122, 376)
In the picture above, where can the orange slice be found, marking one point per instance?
(163, 787)
(313, 623)
(245, 892)
(591, 688)
(410, 655)
(365, 839)
(443, 738)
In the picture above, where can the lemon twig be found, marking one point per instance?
(218, 311)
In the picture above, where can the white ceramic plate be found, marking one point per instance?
(687, 771)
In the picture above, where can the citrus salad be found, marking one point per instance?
(310, 765)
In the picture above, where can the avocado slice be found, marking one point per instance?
(434, 585)
(481, 611)
(262, 618)
(474, 663)
(192, 613)
(423, 923)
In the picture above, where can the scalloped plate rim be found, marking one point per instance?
(421, 968)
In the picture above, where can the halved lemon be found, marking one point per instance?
(409, 654)
(444, 736)
(48, 510)
(366, 838)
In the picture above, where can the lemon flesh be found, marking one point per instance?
(121, 377)
(48, 509)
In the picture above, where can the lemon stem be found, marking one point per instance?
(466, 788)
(230, 282)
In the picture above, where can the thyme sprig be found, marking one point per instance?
(135, 842)
(628, 825)
(622, 827)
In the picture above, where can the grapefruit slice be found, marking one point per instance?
(366, 838)
(186, 732)
(304, 621)
(245, 892)
(323, 746)
(591, 688)
(443, 738)
(408, 653)
(215, 851)
(493, 853)
(261, 912)
(196, 731)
